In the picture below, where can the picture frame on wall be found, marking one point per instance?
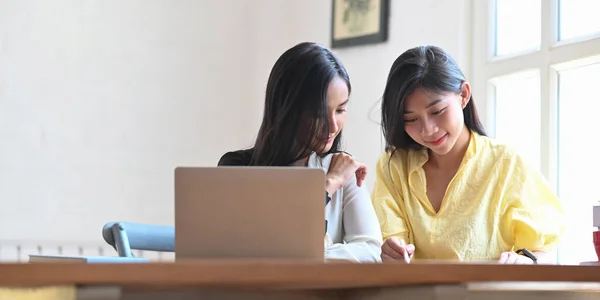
(359, 22)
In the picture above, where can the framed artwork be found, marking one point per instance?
(359, 22)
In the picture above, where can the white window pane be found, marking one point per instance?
(518, 26)
(578, 18)
(577, 163)
(517, 109)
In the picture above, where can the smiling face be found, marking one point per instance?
(436, 121)
(337, 100)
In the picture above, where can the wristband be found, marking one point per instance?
(527, 253)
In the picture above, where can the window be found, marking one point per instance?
(510, 127)
(535, 68)
(517, 30)
(577, 175)
(578, 18)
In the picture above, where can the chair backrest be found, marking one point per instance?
(125, 236)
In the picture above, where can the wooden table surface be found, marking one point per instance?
(284, 274)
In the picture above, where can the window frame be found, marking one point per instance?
(552, 57)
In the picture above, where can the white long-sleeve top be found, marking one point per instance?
(352, 224)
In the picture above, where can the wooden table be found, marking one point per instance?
(297, 280)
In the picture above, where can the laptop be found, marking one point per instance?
(249, 213)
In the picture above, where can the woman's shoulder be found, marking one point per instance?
(397, 158)
(504, 156)
(499, 150)
(322, 160)
(236, 158)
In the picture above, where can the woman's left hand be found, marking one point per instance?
(514, 258)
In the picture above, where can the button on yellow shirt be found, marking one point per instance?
(494, 203)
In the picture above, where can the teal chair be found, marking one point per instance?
(125, 236)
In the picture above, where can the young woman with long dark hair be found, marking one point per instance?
(444, 190)
(305, 111)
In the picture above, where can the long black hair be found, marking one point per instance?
(429, 68)
(295, 114)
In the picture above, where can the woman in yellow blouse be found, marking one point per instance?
(446, 191)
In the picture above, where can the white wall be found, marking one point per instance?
(100, 100)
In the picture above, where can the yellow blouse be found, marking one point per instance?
(494, 203)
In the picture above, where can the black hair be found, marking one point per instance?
(429, 68)
(296, 104)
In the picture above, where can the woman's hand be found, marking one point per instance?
(397, 250)
(341, 169)
(514, 258)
